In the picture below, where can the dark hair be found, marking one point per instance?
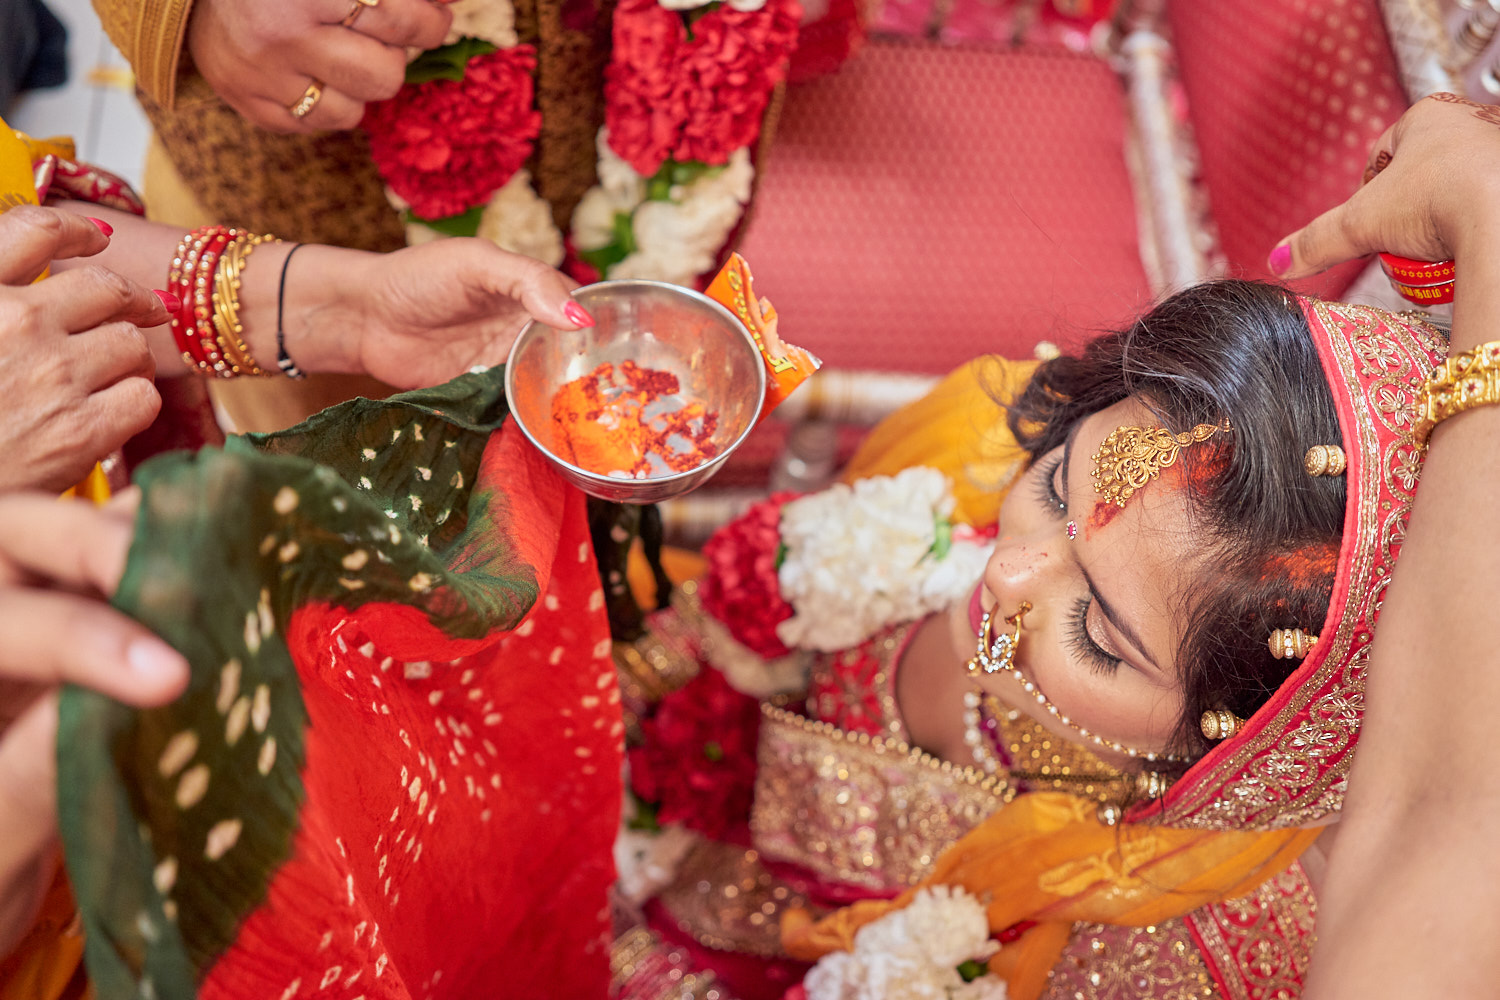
(1241, 351)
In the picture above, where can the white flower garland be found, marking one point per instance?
(913, 954)
(675, 240)
(747, 671)
(492, 21)
(862, 557)
(519, 220)
(648, 862)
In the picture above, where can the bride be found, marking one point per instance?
(1110, 769)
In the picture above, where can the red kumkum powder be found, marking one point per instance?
(602, 425)
(1304, 569)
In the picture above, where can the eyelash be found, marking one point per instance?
(1046, 491)
(1084, 645)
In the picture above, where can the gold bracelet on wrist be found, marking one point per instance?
(1461, 383)
(226, 306)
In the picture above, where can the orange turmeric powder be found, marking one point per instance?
(630, 430)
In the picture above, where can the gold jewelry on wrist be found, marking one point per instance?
(1461, 383)
(228, 329)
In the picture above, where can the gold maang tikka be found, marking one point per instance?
(1130, 457)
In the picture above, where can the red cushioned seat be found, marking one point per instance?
(928, 203)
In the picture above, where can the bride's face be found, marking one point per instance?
(1108, 605)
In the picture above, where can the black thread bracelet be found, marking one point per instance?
(283, 359)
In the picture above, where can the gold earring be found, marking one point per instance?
(1220, 724)
(1289, 643)
(1130, 457)
(996, 654)
(1325, 460)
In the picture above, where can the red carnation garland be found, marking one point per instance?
(741, 588)
(693, 97)
(697, 765)
(446, 146)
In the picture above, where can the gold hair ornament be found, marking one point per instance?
(1220, 724)
(1325, 460)
(1464, 381)
(1130, 457)
(1290, 643)
(997, 654)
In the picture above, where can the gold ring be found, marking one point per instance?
(309, 100)
(356, 10)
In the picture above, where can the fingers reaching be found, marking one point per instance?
(34, 237)
(81, 548)
(543, 291)
(85, 297)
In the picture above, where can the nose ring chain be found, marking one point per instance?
(997, 654)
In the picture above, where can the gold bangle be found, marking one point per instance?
(1461, 383)
(226, 301)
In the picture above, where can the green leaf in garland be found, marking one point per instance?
(463, 224)
(713, 751)
(447, 62)
(644, 820)
(971, 970)
(673, 174)
(942, 542)
(623, 245)
(692, 17)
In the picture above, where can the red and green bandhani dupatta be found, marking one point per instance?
(396, 771)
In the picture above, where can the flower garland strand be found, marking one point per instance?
(451, 145)
(934, 948)
(686, 92)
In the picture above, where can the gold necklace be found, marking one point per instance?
(998, 656)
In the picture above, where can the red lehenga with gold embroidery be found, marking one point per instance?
(845, 811)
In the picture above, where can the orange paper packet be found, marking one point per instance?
(786, 366)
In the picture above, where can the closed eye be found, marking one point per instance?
(1046, 487)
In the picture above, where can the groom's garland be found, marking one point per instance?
(686, 90)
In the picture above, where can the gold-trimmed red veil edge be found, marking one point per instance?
(1288, 766)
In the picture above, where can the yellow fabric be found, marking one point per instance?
(150, 34)
(959, 429)
(1047, 858)
(95, 486)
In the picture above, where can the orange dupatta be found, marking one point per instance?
(1046, 858)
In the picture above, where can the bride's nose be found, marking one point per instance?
(1019, 569)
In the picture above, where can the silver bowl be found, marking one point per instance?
(656, 325)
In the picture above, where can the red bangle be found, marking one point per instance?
(191, 279)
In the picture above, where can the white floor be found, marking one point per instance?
(97, 106)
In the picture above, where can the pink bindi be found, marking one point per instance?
(1072, 530)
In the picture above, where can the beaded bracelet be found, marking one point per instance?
(205, 276)
(1461, 383)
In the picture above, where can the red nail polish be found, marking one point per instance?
(104, 227)
(577, 314)
(1280, 260)
(172, 302)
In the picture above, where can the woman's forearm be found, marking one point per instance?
(143, 251)
(1415, 865)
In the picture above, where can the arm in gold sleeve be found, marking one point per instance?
(150, 34)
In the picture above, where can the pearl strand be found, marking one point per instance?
(991, 662)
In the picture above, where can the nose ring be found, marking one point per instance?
(997, 653)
